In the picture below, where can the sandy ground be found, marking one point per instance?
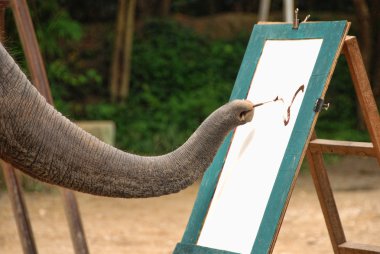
(156, 225)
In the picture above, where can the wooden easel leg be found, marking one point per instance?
(30, 46)
(3, 7)
(39, 78)
(75, 223)
(14, 190)
(19, 209)
(326, 197)
(363, 91)
(315, 152)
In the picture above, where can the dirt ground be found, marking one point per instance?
(156, 225)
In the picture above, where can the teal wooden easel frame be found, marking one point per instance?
(333, 34)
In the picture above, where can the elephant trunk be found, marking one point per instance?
(38, 140)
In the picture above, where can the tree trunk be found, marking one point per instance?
(365, 30)
(365, 40)
(375, 68)
(127, 49)
(165, 8)
(375, 81)
(288, 9)
(117, 51)
(211, 7)
(146, 8)
(264, 8)
(121, 62)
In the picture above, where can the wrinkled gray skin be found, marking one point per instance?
(38, 140)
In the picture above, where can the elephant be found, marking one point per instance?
(41, 142)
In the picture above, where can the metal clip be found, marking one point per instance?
(296, 21)
(306, 18)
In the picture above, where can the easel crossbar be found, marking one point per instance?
(342, 147)
(356, 248)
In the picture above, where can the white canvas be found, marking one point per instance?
(258, 148)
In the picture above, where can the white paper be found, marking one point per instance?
(258, 148)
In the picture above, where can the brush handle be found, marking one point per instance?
(258, 104)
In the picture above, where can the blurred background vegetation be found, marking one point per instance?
(184, 60)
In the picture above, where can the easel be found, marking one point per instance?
(39, 79)
(313, 149)
(317, 147)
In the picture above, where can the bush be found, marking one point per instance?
(341, 120)
(178, 78)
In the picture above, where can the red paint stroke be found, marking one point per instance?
(301, 88)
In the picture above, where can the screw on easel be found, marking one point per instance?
(325, 106)
(321, 105)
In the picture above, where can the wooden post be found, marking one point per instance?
(117, 51)
(78, 237)
(288, 10)
(3, 6)
(127, 54)
(19, 209)
(14, 190)
(121, 62)
(264, 8)
(30, 46)
(39, 78)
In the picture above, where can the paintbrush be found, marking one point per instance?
(265, 102)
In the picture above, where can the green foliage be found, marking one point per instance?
(58, 30)
(58, 36)
(168, 59)
(178, 78)
(69, 85)
(341, 120)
